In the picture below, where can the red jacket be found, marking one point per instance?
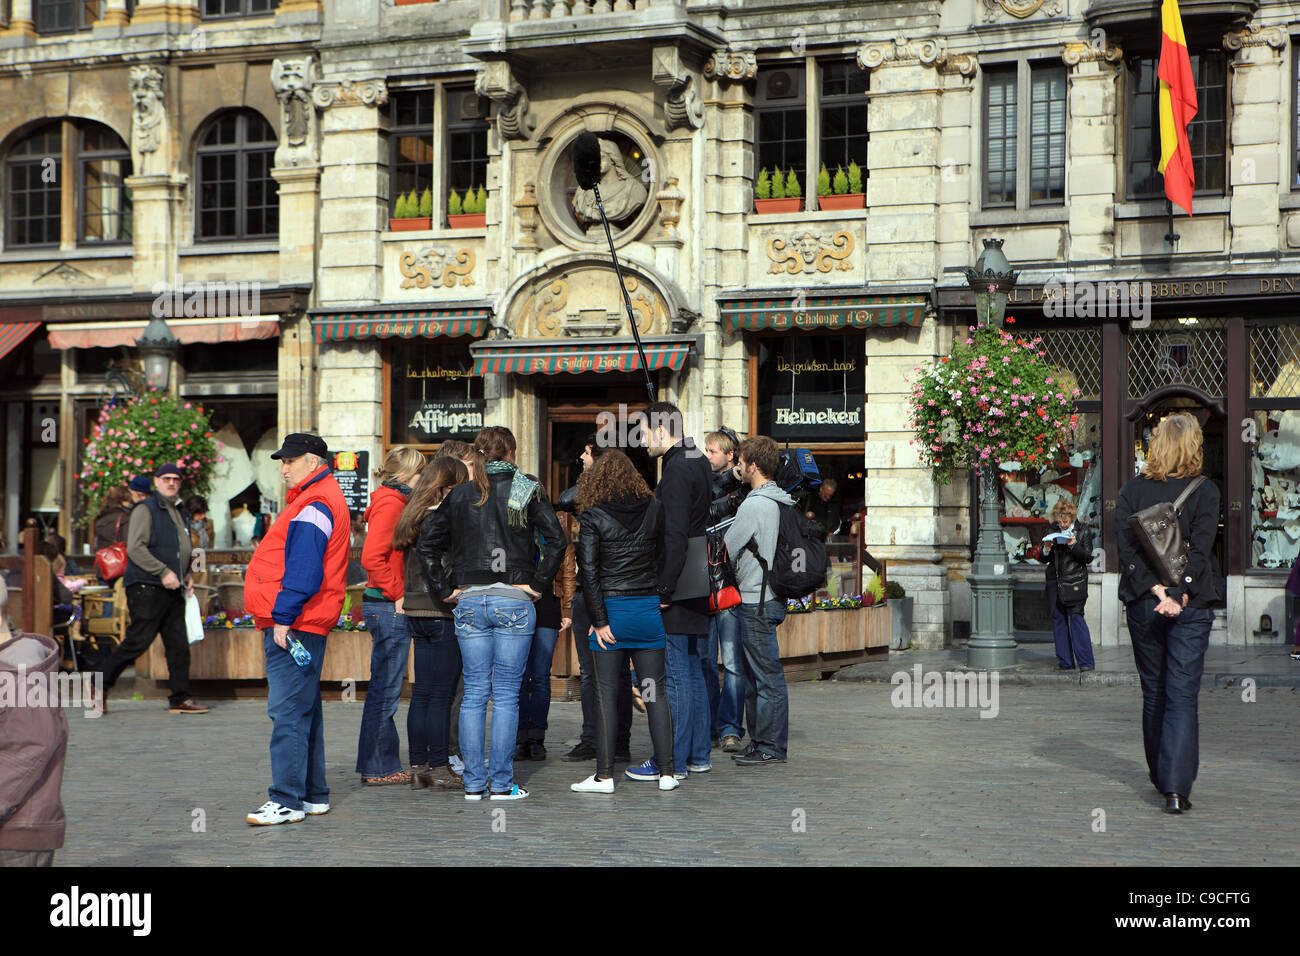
(385, 568)
(33, 743)
(265, 586)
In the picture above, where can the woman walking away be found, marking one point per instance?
(491, 527)
(379, 758)
(1169, 623)
(437, 655)
(620, 535)
(1067, 558)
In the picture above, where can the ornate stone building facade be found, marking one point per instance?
(434, 264)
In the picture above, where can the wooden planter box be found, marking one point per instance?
(835, 632)
(843, 201)
(238, 654)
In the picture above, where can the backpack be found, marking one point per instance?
(799, 536)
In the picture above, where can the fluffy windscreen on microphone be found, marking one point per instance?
(586, 160)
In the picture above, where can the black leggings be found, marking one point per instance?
(611, 671)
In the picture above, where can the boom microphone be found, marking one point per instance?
(586, 160)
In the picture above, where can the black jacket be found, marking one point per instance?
(684, 490)
(1199, 519)
(1068, 565)
(478, 537)
(728, 492)
(618, 546)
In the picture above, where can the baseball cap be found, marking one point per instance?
(142, 484)
(300, 443)
(168, 469)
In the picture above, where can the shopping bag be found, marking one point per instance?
(193, 619)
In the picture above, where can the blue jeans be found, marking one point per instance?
(709, 665)
(535, 690)
(1073, 642)
(1170, 657)
(378, 746)
(297, 727)
(687, 701)
(437, 669)
(495, 634)
(767, 704)
(730, 719)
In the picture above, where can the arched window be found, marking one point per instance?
(237, 199)
(36, 185)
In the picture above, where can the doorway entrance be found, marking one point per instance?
(568, 407)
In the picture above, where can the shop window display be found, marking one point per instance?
(1275, 484)
(433, 394)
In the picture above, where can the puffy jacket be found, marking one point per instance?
(1068, 565)
(33, 744)
(385, 568)
(479, 537)
(298, 574)
(618, 544)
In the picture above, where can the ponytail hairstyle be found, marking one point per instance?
(400, 463)
(439, 476)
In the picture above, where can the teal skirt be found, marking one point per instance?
(635, 622)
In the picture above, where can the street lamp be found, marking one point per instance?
(992, 642)
(157, 347)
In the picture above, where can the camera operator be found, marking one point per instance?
(726, 705)
(728, 489)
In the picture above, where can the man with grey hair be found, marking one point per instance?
(33, 744)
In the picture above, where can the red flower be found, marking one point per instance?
(1011, 320)
(1031, 457)
(944, 359)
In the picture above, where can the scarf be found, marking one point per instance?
(522, 489)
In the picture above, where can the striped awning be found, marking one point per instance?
(12, 336)
(102, 335)
(413, 324)
(550, 357)
(822, 312)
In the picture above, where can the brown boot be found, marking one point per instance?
(442, 778)
(419, 776)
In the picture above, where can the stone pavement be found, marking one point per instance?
(870, 784)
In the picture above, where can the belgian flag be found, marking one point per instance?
(1177, 108)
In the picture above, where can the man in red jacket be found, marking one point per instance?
(294, 589)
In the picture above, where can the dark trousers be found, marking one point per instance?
(437, 669)
(611, 677)
(154, 610)
(1170, 656)
(1071, 636)
(587, 680)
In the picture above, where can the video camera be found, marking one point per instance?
(796, 474)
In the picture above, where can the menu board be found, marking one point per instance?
(352, 472)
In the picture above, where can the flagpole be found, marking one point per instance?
(1171, 237)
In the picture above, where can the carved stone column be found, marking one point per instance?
(1259, 120)
(1094, 120)
(297, 167)
(179, 12)
(115, 14)
(22, 20)
(157, 192)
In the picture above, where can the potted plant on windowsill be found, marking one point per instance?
(778, 193)
(469, 213)
(845, 191)
(412, 212)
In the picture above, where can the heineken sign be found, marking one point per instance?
(811, 388)
(442, 420)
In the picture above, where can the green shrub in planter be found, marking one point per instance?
(763, 187)
(855, 178)
(792, 188)
(778, 184)
(823, 182)
(426, 203)
(894, 590)
(454, 207)
(841, 185)
(480, 200)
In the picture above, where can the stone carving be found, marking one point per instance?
(584, 301)
(527, 212)
(807, 252)
(728, 64)
(350, 93)
(670, 200)
(682, 106)
(65, 274)
(497, 83)
(1020, 9)
(292, 81)
(431, 266)
(547, 305)
(1075, 53)
(904, 52)
(955, 64)
(622, 193)
(1254, 35)
(147, 117)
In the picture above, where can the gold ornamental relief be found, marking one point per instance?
(545, 307)
(810, 253)
(430, 266)
(1019, 10)
(642, 305)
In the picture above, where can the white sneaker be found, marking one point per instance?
(271, 813)
(515, 792)
(669, 783)
(592, 785)
(315, 809)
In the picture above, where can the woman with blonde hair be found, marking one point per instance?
(1169, 621)
(1066, 551)
(379, 759)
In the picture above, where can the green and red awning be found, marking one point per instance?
(14, 334)
(406, 324)
(787, 311)
(551, 357)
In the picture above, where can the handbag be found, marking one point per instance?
(1161, 536)
(110, 562)
(723, 591)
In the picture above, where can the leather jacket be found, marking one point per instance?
(479, 537)
(728, 492)
(618, 544)
(1068, 564)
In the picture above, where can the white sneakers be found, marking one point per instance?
(592, 785)
(669, 783)
(271, 813)
(315, 809)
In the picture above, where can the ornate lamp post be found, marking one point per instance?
(992, 641)
(157, 347)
